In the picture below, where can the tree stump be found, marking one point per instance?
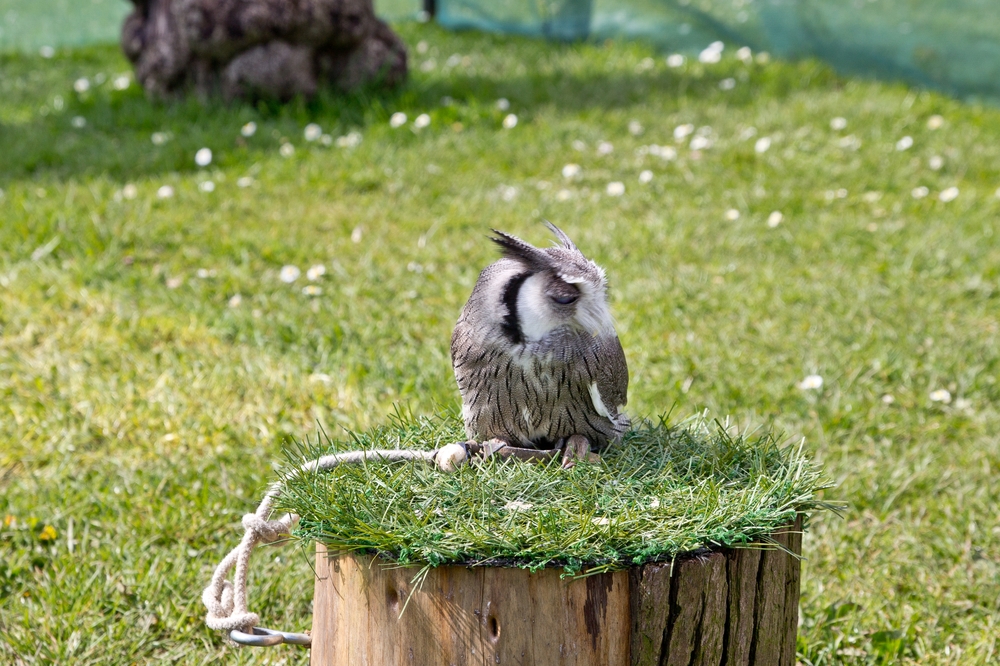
(259, 48)
(718, 608)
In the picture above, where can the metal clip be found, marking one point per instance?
(262, 637)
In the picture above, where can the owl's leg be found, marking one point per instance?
(577, 448)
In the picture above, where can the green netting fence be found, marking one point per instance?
(952, 45)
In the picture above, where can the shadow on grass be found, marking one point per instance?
(113, 129)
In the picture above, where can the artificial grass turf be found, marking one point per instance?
(144, 407)
(662, 491)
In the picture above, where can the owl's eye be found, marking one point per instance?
(564, 300)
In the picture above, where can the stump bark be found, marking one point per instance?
(259, 48)
(721, 608)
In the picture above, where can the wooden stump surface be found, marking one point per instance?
(711, 609)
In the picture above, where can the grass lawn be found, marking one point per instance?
(154, 366)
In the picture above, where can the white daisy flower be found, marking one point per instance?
(503, 104)
(732, 214)
(682, 131)
(838, 123)
(286, 150)
(665, 152)
(634, 127)
(349, 140)
(203, 157)
(810, 383)
(81, 85)
(762, 144)
(605, 148)
(712, 53)
(774, 219)
(744, 55)
(235, 300)
(935, 122)
(244, 181)
(312, 290)
(616, 189)
(397, 119)
(130, 191)
(919, 192)
(645, 176)
(700, 143)
(206, 186)
(675, 60)
(905, 143)
(510, 121)
(422, 121)
(289, 273)
(935, 162)
(165, 192)
(316, 272)
(949, 194)
(249, 129)
(571, 171)
(941, 395)
(356, 235)
(312, 132)
(121, 82)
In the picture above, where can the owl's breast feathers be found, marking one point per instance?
(538, 393)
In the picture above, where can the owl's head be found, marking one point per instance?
(558, 287)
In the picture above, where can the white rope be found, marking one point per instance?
(227, 601)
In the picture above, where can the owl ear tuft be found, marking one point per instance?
(523, 252)
(561, 235)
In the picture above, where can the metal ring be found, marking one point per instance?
(259, 637)
(296, 639)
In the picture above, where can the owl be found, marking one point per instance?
(535, 352)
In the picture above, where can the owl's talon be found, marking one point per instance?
(577, 448)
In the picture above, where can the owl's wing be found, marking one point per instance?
(612, 378)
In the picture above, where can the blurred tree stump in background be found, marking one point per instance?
(248, 49)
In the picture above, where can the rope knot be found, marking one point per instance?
(267, 531)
